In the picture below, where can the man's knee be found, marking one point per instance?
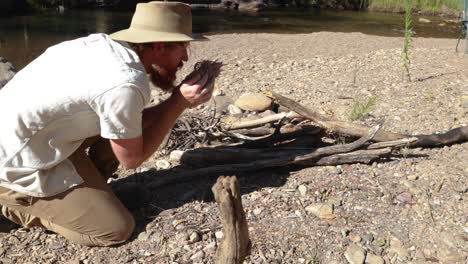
(119, 231)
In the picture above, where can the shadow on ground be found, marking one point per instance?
(145, 197)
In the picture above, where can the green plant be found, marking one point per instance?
(312, 260)
(408, 38)
(362, 108)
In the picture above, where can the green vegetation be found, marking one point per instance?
(433, 6)
(408, 39)
(362, 108)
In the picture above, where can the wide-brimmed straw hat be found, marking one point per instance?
(159, 22)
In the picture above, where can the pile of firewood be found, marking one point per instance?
(299, 137)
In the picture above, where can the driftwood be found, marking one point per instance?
(331, 155)
(260, 121)
(456, 135)
(236, 243)
(295, 144)
(334, 126)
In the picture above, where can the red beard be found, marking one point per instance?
(163, 78)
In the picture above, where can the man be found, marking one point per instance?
(91, 92)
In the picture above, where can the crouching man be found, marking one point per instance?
(71, 116)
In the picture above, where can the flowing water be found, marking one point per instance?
(23, 38)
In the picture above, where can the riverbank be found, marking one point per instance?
(408, 209)
(447, 8)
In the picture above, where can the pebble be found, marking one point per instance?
(56, 246)
(450, 256)
(397, 247)
(234, 110)
(198, 256)
(355, 238)
(219, 234)
(374, 259)
(257, 211)
(321, 210)
(144, 236)
(163, 164)
(404, 197)
(302, 190)
(424, 20)
(176, 155)
(194, 237)
(412, 177)
(355, 254)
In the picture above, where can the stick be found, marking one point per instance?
(259, 121)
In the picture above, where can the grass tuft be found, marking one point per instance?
(362, 108)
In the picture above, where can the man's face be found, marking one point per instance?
(169, 57)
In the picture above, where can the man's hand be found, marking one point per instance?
(198, 86)
(197, 89)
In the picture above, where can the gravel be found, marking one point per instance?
(409, 209)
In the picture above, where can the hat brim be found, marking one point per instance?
(143, 36)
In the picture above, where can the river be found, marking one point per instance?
(23, 38)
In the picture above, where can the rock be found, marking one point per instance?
(234, 110)
(198, 256)
(355, 254)
(257, 211)
(176, 155)
(302, 190)
(424, 20)
(404, 197)
(450, 256)
(218, 92)
(397, 247)
(7, 71)
(144, 236)
(373, 259)
(321, 210)
(163, 164)
(194, 237)
(254, 102)
(219, 234)
(412, 177)
(355, 238)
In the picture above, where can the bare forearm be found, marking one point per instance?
(158, 121)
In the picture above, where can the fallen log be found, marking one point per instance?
(236, 244)
(313, 158)
(457, 135)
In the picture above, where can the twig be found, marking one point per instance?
(259, 121)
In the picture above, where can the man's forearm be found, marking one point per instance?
(158, 121)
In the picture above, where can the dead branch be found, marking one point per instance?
(456, 135)
(395, 143)
(261, 157)
(333, 126)
(260, 121)
(236, 243)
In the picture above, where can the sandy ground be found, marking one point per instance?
(408, 209)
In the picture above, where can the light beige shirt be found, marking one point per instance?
(74, 90)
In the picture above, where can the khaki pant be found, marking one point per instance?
(88, 214)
